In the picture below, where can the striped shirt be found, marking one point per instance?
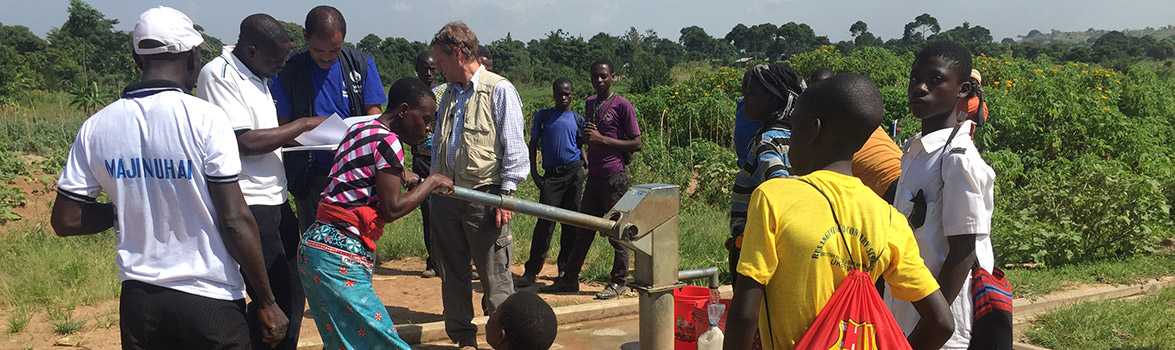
(766, 159)
(368, 148)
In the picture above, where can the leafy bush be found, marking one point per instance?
(1081, 210)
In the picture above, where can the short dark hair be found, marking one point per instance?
(559, 82)
(408, 90)
(325, 18)
(602, 62)
(527, 320)
(957, 55)
(262, 30)
(820, 75)
(849, 106)
(422, 57)
(484, 51)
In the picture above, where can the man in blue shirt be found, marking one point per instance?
(323, 80)
(558, 134)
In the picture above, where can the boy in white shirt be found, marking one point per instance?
(946, 188)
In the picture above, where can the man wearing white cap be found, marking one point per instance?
(169, 165)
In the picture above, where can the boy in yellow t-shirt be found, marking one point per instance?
(793, 258)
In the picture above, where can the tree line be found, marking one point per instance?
(88, 58)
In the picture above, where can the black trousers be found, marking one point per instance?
(421, 165)
(561, 187)
(599, 195)
(154, 317)
(280, 237)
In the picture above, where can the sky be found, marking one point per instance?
(529, 19)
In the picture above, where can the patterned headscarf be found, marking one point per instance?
(783, 83)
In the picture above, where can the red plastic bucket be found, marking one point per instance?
(689, 316)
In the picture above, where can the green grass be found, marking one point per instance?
(68, 326)
(19, 320)
(1144, 323)
(43, 270)
(1036, 282)
(63, 321)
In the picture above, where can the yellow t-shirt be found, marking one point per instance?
(791, 246)
(879, 162)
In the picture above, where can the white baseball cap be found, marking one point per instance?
(166, 25)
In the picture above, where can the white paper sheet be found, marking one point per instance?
(330, 132)
(327, 135)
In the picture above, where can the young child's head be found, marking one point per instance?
(769, 91)
(523, 321)
(833, 119)
(819, 75)
(411, 110)
(561, 92)
(940, 77)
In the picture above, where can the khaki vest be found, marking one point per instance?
(477, 162)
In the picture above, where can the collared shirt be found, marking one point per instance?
(558, 135)
(245, 98)
(507, 109)
(154, 152)
(957, 188)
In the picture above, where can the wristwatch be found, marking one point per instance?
(506, 192)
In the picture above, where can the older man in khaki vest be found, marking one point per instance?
(478, 142)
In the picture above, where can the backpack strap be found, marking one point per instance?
(295, 80)
(835, 220)
(354, 71)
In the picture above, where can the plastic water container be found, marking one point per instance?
(713, 338)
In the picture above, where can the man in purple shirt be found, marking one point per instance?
(613, 135)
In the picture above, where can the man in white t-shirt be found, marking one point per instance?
(946, 188)
(237, 82)
(169, 165)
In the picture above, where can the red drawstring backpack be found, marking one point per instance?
(855, 317)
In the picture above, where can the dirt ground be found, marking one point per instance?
(410, 299)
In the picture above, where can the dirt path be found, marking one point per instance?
(409, 298)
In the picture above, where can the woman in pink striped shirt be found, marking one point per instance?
(366, 190)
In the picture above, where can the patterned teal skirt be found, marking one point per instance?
(336, 272)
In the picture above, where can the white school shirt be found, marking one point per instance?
(957, 185)
(154, 153)
(228, 83)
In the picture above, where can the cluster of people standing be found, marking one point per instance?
(200, 189)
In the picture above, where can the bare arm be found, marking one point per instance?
(74, 218)
(393, 203)
(743, 318)
(534, 161)
(957, 267)
(253, 142)
(935, 326)
(238, 229)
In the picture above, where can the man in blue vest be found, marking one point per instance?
(323, 80)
